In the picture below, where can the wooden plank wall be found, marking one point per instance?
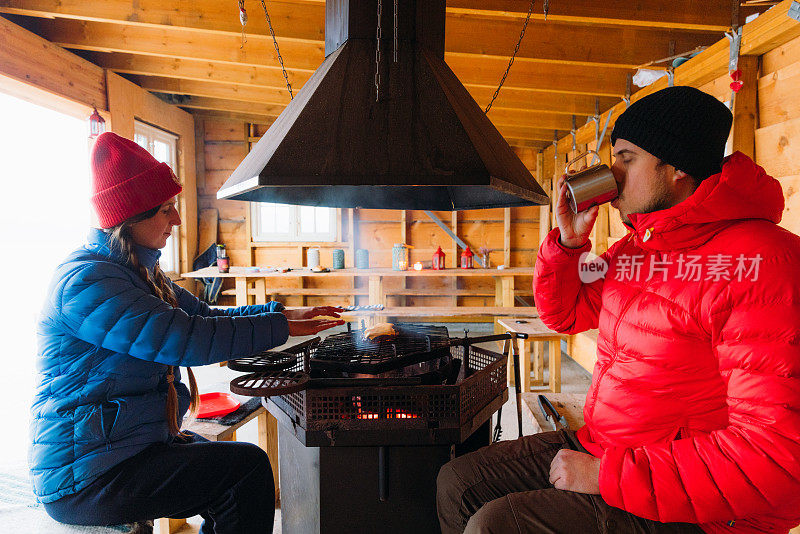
(777, 139)
(226, 144)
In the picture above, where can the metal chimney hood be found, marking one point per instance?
(423, 144)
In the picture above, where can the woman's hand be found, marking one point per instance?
(297, 314)
(309, 327)
(575, 228)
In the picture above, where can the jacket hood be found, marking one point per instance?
(743, 190)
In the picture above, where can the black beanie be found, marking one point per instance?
(681, 126)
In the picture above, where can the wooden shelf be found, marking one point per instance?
(304, 291)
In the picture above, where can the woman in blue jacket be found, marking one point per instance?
(106, 441)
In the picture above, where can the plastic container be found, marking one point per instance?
(216, 404)
(362, 258)
(338, 259)
(312, 258)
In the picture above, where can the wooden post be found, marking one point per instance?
(261, 290)
(241, 291)
(167, 525)
(507, 237)
(351, 235)
(454, 283)
(404, 239)
(555, 364)
(745, 108)
(376, 293)
(524, 364)
(544, 211)
(268, 440)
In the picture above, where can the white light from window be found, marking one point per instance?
(307, 225)
(322, 220)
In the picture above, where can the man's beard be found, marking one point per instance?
(661, 199)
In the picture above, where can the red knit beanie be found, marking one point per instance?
(127, 180)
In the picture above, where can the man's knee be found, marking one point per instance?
(492, 518)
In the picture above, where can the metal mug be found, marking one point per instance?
(589, 187)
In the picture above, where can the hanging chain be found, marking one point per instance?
(277, 50)
(395, 31)
(546, 9)
(511, 61)
(572, 133)
(243, 20)
(378, 53)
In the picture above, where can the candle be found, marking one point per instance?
(418, 266)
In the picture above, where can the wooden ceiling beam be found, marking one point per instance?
(580, 44)
(55, 70)
(222, 104)
(306, 19)
(472, 71)
(199, 70)
(243, 93)
(176, 43)
(676, 14)
(272, 98)
(555, 77)
(301, 25)
(208, 71)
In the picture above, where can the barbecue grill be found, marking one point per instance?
(359, 415)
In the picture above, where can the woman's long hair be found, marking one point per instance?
(161, 287)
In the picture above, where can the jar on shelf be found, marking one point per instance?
(223, 262)
(337, 261)
(400, 257)
(312, 258)
(467, 259)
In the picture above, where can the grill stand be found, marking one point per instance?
(334, 490)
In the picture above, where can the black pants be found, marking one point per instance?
(228, 483)
(505, 488)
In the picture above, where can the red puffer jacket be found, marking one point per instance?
(694, 407)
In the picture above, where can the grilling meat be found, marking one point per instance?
(380, 332)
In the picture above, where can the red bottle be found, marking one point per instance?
(438, 259)
(467, 259)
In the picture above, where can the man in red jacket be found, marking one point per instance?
(693, 415)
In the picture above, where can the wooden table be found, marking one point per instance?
(504, 281)
(537, 333)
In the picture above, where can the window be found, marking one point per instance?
(164, 147)
(285, 222)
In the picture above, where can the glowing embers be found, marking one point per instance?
(370, 409)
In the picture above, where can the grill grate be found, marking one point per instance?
(264, 362)
(268, 384)
(350, 351)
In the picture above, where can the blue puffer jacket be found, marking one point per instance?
(105, 343)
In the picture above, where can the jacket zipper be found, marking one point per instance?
(613, 357)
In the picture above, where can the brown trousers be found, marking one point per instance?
(504, 488)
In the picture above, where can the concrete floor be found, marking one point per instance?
(574, 379)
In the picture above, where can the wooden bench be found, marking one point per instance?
(570, 405)
(213, 431)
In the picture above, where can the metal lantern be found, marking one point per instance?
(438, 259)
(97, 124)
(467, 259)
